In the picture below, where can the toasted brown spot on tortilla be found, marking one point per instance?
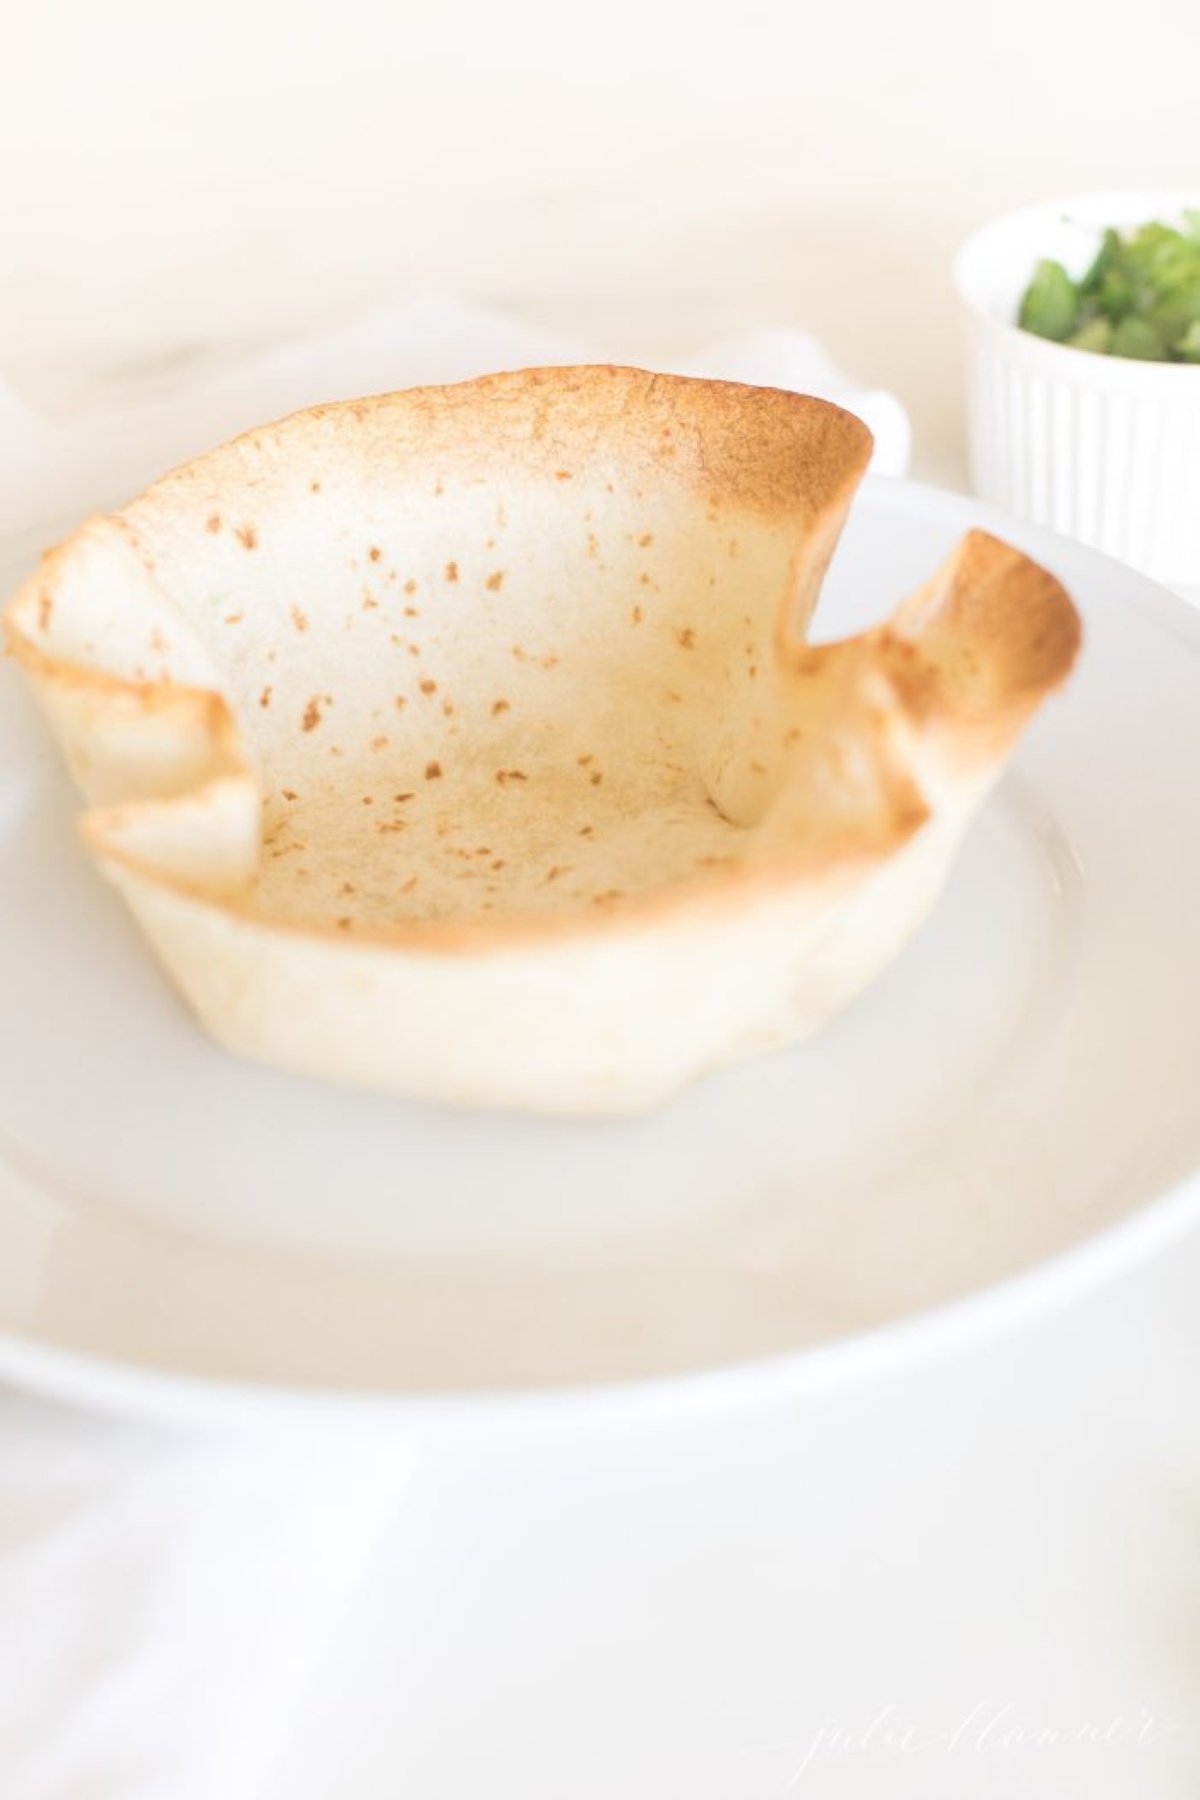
(247, 536)
(495, 581)
(374, 553)
(498, 707)
(504, 776)
(686, 638)
(299, 618)
(213, 522)
(433, 771)
(451, 571)
(264, 699)
(312, 714)
(45, 611)
(428, 687)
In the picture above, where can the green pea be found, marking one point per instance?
(1137, 338)
(1051, 304)
(1096, 335)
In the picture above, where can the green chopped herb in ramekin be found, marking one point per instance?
(1140, 298)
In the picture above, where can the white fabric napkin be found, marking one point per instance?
(165, 1598)
(48, 467)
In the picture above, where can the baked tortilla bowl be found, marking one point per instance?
(465, 742)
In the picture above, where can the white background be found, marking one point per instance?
(175, 175)
(1020, 1530)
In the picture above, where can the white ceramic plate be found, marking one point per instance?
(182, 1232)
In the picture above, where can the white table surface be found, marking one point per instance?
(983, 1579)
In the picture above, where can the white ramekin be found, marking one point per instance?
(1100, 447)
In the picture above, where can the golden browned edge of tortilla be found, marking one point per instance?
(1018, 615)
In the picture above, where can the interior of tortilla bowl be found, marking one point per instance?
(507, 648)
